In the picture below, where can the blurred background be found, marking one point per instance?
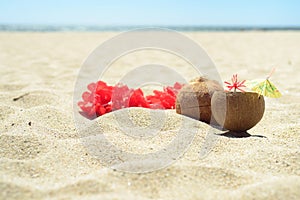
(189, 15)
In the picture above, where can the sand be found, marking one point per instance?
(42, 156)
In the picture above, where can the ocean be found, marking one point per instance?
(85, 28)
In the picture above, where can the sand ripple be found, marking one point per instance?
(20, 147)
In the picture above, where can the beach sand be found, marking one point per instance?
(42, 156)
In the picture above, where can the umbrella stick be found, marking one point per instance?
(272, 71)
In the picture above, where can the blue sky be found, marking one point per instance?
(151, 12)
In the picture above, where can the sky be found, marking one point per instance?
(151, 12)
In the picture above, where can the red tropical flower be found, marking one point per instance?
(101, 98)
(235, 84)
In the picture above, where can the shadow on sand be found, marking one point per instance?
(245, 134)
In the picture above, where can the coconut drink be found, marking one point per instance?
(194, 99)
(237, 111)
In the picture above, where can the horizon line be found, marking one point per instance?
(149, 25)
(100, 28)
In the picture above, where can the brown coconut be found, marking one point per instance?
(237, 111)
(194, 99)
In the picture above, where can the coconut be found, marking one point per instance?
(194, 99)
(237, 111)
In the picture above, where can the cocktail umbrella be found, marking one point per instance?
(264, 87)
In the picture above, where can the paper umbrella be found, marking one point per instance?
(264, 87)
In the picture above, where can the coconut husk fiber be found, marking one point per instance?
(194, 99)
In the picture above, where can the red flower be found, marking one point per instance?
(101, 98)
(235, 84)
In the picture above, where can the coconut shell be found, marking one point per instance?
(194, 99)
(237, 111)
